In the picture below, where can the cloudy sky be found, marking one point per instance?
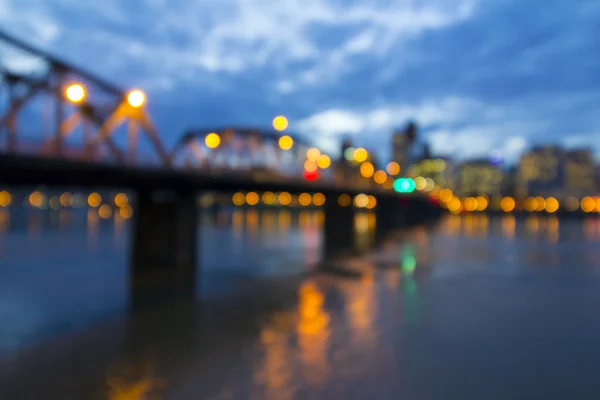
(477, 75)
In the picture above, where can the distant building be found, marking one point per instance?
(541, 171)
(579, 173)
(479, 177)
(401, 145)
(553, 171)
(440, 170)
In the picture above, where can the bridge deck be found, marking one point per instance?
(23, 170)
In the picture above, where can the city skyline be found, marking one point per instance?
(477, 77)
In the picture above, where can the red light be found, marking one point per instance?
(311, 176)
(434, 201)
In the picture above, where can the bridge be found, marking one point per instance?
(88, 133)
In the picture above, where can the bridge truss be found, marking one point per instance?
(64, 104)
(62, 101)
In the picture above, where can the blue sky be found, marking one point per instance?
(477, 75)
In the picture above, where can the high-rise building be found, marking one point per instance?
(439, 169)
(579, 173)
(541, 171)
(479, 178)
(554, 171)
(401, 145)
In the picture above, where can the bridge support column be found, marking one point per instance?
(390, 215)
(339, 236)
(164, 247)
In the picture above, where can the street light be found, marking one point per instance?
(136, 98)
(75, 93)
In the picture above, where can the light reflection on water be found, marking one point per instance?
(453, 312)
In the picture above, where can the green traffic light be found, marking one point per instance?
(404, 185)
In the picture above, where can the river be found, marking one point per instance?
(476, 307)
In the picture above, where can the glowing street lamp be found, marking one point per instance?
(75, 93)
(136, 98)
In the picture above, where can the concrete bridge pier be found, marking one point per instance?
(339, 236)
(164, 246)
(390, 215)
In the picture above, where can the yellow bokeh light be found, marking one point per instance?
(212, 140)
(5, 199)
(372, 202)
(588, 204)
(393, 168)
(540, 203)
(310, 166)
(380, 177)
(482, 203)
(552, 205)
(470, 204)
(367, 169)
(284, 198)
(313, 154)
(446, 195)
(361, 200)
(66, 199)
(324, 161)
(268, 198)
(75, 93)
(420, 183)
(286, 142)
(126, 211)
(136, 98)
(238, 199)
(36, 199)
(94, 200)
(318, 199)
(304, 199)
(252, 198)
(507, 204)
(344, 200)
(360, 155)
(121, 200)
(454, 205)
(531, 204)
(105, 211)
(280, 123)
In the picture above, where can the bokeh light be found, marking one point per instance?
(507, 204)
(136, 98)
(212, 140)
(75, 93)
(380, 177)
(280, 123)
(367, 169)
(324, 161)
(344, 200)
(393, 168)
(360, 155)
(313, 154)
(286, 142)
